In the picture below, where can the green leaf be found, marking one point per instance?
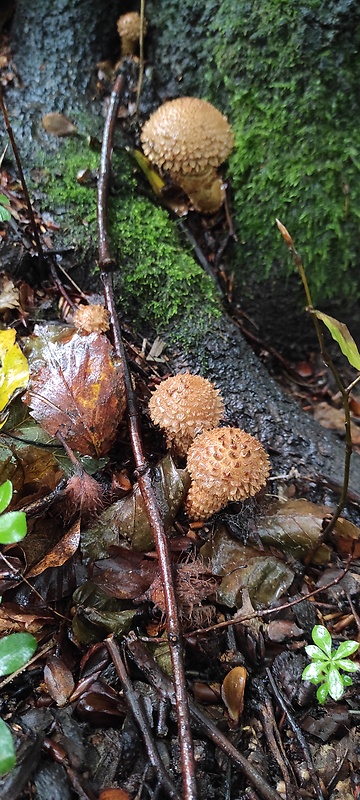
(346, 664)
(340, 332)
(15, 651)
(347, 681)
(346, 649)
(315, 672)
(12, 527)
(315, 653)
(6, 491)
(322, 638)
(322, 693)
(7, 749)
(335, 684)
(4, 206)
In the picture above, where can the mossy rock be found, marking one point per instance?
(287, 75)
(158, 281)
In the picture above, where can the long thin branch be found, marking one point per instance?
(144, 475)
(140, 717)
(22, 178)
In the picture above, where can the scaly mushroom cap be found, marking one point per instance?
(187, 135)
(184, 405)
(129, 27)
(225, 464)
(92, 319)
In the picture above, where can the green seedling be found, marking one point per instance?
(13, 523)
(327, 663)
(17, 648)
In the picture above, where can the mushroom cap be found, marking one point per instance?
(225, 464)
(92, 319)
(129, 25)
(187, 135)
(184, 405)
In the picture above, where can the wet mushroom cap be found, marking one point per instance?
(92, 319)
(225, 464)
(187, 135)
(129, 25)
(183, 406)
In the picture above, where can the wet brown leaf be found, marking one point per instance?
(334, 418)
(79, 393)
(9, 295)
(126, 576)
(295, 528)
(346, 537)
(59, 680)
(60, 553)
(58, 124)
(127, 518)
(14, 619)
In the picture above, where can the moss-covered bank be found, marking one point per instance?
(287, 74)
(159, 283)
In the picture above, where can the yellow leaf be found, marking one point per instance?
(14, 369)
(342, 336)
(156, 182)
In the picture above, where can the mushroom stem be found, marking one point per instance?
(128, 46)
(205, 189)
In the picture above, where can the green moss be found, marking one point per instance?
(158, 281)
(293, 100)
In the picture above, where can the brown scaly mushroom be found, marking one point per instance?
(189, 138)
(183, 406)
(92, 319)
(129, 27)
(225, 464)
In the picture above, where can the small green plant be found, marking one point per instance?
(5, 215)
(327, 663)
(13, 523)
(17, 648)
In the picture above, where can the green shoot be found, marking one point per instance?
(327, 663)
(17, 648)
(13, 523)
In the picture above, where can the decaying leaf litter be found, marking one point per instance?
(250, 586)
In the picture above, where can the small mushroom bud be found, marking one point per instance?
(189, 138)
(225, 464)
(91, 319)
(129, 28)
(183, 406)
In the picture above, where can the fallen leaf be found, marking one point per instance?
(79, 393)
(334, 418)
(9, 295)
(58, 680)
(60, 553)
(295, 528)
(14, 369)
(58, 124)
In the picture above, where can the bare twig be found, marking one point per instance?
(134, 702)
(298, 733)
(141, 54)
(22, 178)
(144, 474)
(162, 684)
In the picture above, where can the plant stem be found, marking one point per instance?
(340, 385)
(143, 470)
(22, 178)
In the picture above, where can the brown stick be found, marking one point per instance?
(141, 719)
(162, 684)
(22, 178)
(144, 475)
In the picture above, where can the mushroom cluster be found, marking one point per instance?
(189, 139)
(184, 406)
(225, 464)
(129, 29)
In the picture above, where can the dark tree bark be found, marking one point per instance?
(56, 45)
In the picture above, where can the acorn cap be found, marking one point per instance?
(183, 406)
(225, 464)
(187, 135)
